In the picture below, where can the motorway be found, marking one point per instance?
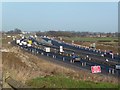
(88, 51)
(95, 58)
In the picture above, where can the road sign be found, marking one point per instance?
(95, 69)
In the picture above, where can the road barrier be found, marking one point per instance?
(63, 58)
(86, 62)
(113, 71)
(83, 63)
(109, 71)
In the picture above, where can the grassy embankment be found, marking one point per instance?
(61, 81)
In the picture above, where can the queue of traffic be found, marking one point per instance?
(62, 52)
(107, 54)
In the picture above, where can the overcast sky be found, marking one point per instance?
(66, 16)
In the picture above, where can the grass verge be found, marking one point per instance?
(61, 81)
(93, 39)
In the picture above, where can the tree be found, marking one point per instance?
(15, 31)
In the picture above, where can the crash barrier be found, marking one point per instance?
(89, 50)
(111, 71)
(15, 85)
(76, 49)
(65, 58)
(95, 57)
(58, 56)
(83, 63)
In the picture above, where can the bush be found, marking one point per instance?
(104, 40)
(115, 40)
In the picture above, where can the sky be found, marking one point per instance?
(59, 0)
(64, 16)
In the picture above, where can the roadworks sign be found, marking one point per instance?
(96, 69)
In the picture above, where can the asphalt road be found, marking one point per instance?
(85, 64)
(58, 59)
(83, 53)
(88, 51)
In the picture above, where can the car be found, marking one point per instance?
(75, 58)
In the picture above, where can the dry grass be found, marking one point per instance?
(29, 66)
(23, 66)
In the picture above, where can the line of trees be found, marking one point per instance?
(74, 34)
(15, 31)
(56, 33)
(68, 33)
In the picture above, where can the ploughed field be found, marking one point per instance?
(103, 43)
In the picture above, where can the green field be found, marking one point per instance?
(61, 81)
(93, 39)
